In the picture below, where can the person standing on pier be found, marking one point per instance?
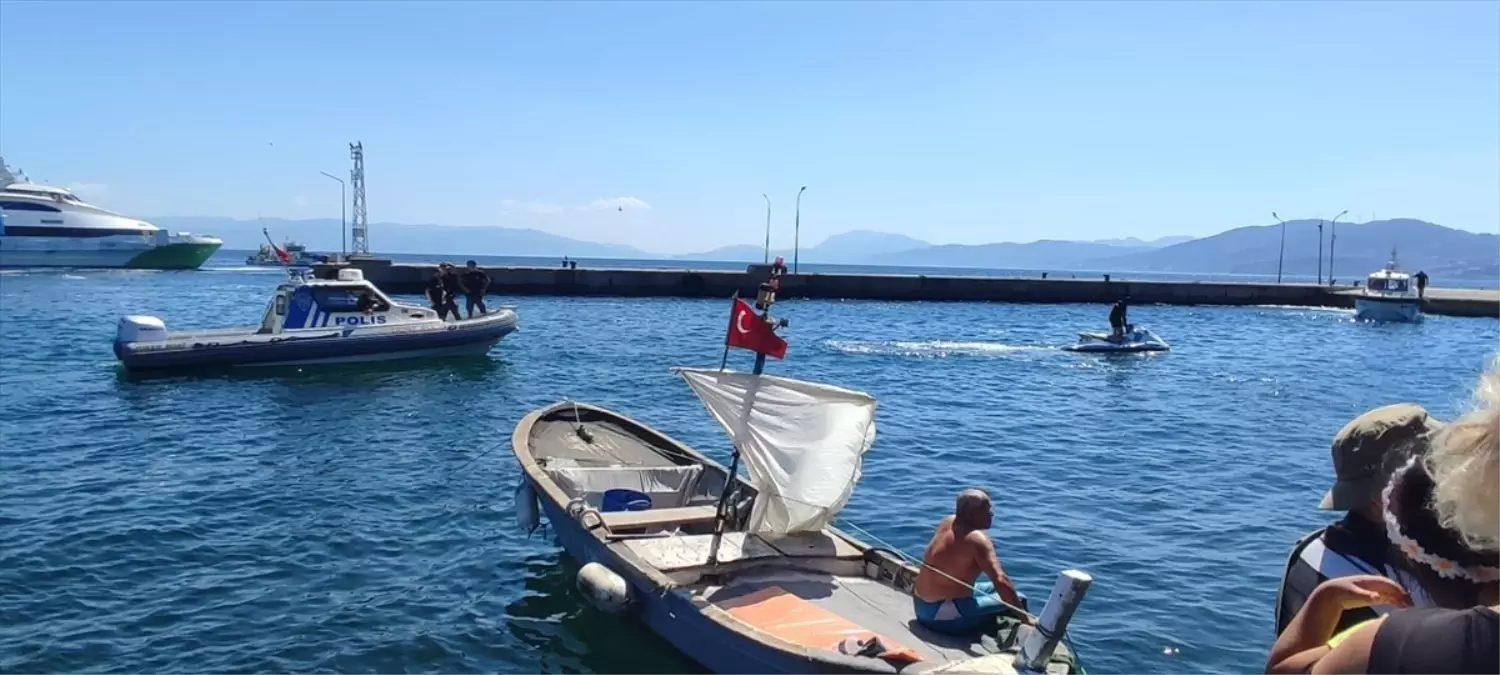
(1421, 284)
(476, 283)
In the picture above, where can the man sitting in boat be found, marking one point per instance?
(948, 596)
(1117, 321)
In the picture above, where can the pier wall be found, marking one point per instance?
(411, 279)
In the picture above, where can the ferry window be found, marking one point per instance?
(1397, 286)
(27, 206)
(1377, 284)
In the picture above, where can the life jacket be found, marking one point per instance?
(1312, 562)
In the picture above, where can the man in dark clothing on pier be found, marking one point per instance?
(476, 283)
(435, 293)
(1117, 320)
(1421, 284)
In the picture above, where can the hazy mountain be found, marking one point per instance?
(1133, 242)
(322, 236)
(856, 247)
(1037, 255)
(1359, 249)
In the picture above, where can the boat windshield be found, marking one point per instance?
(1387, 285)
(347, 298)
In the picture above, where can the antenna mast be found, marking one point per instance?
(361, 219)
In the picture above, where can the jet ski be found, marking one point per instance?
(1134, 340)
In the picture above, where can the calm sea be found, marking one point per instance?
(359, 519)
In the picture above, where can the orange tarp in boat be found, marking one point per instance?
(776, 611)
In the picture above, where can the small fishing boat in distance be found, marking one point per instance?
(751, 576)
(1135, 339)
(313, 321)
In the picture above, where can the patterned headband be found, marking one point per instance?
(1407, 499)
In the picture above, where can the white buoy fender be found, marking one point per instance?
(605, 589)
(528, 516)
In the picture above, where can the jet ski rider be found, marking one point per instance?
(1117, 322)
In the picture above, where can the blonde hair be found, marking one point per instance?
(1465, 467)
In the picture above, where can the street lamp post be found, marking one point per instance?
(1320, 251)
(1281, 256)
(797, 231)
(1333, 236)
(343, 228)
(768, 227)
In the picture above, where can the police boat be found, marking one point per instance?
(314, 321)
(1134, 340)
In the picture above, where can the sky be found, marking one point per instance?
(661, 125)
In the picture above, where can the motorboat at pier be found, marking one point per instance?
(314, 321)
(1389, 295)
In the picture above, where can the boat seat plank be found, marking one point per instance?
(776, 611)
(682, 515)
(812, 545)
(691, 550)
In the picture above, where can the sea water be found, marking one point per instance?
(360, 519)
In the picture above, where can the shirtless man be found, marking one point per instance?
(958, 553)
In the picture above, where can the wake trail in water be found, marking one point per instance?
(1300, 308)
(929, 348)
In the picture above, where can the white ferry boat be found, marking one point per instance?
(45, 226)
(1389, 295)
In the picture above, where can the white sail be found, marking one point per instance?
(801, 442)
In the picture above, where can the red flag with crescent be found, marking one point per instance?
(748, 331)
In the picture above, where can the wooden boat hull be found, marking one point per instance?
(674, 601)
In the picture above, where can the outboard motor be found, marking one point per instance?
(140, 329)
(137, 329)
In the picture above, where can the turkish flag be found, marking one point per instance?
(281, 253)
(748, 331)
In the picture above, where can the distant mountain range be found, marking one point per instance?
(322, 235)
(1360, 247)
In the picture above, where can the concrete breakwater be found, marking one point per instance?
(690, 283)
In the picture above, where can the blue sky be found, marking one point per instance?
(956, 123)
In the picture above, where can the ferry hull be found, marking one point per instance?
(131, 254)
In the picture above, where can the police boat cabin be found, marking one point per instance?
(312, 321)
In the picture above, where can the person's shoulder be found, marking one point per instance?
(978, 538)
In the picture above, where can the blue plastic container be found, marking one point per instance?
(621, 499)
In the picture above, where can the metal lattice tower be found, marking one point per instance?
(357, 180)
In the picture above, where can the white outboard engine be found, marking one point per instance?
(140, 329)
